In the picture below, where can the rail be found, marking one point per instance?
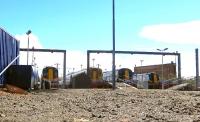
(9, 65)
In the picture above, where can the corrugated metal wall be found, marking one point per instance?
(9, 49)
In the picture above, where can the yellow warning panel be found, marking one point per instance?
(94, 76)
(50, 74)
(126, 74)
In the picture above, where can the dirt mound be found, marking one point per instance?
(99, 105)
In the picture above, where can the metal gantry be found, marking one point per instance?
(137, 52)
(51, 51)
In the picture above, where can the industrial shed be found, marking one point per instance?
(9, 50)
(169, 70)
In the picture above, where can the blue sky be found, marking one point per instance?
(70, 24)
(87, 24)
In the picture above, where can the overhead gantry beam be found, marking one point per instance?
(51, 51)
(43, 50)
(133, 52)
(137, 52)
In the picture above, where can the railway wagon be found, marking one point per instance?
(49, 78)
(121, 75)
(84, 79)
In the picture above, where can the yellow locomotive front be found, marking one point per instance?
(96, 77)
(49, 78)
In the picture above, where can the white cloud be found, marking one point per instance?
(74, 59)
(188, 64)
(33, 41)
(179, 33)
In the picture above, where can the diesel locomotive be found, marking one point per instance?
(85, 79)
(49, 78)
(121, 75)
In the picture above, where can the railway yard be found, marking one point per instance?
(124, 104)
(87, 96)
(155, 92)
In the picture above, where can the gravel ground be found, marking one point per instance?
(101, 105)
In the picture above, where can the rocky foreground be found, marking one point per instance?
(101, 105)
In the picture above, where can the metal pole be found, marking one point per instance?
(33, 58)
(113, 51)
(98, 66)
(141, 69)
(81, 66)
(162, 74)
(28, 33)
(57, 65)
(88, 62)
(162, 80)
(197, 68)
(141, 66)
(64, 70)
(28, 50)
(179, 68)
(93, 61)
(176, 64)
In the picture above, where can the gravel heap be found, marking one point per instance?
(78, 105)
